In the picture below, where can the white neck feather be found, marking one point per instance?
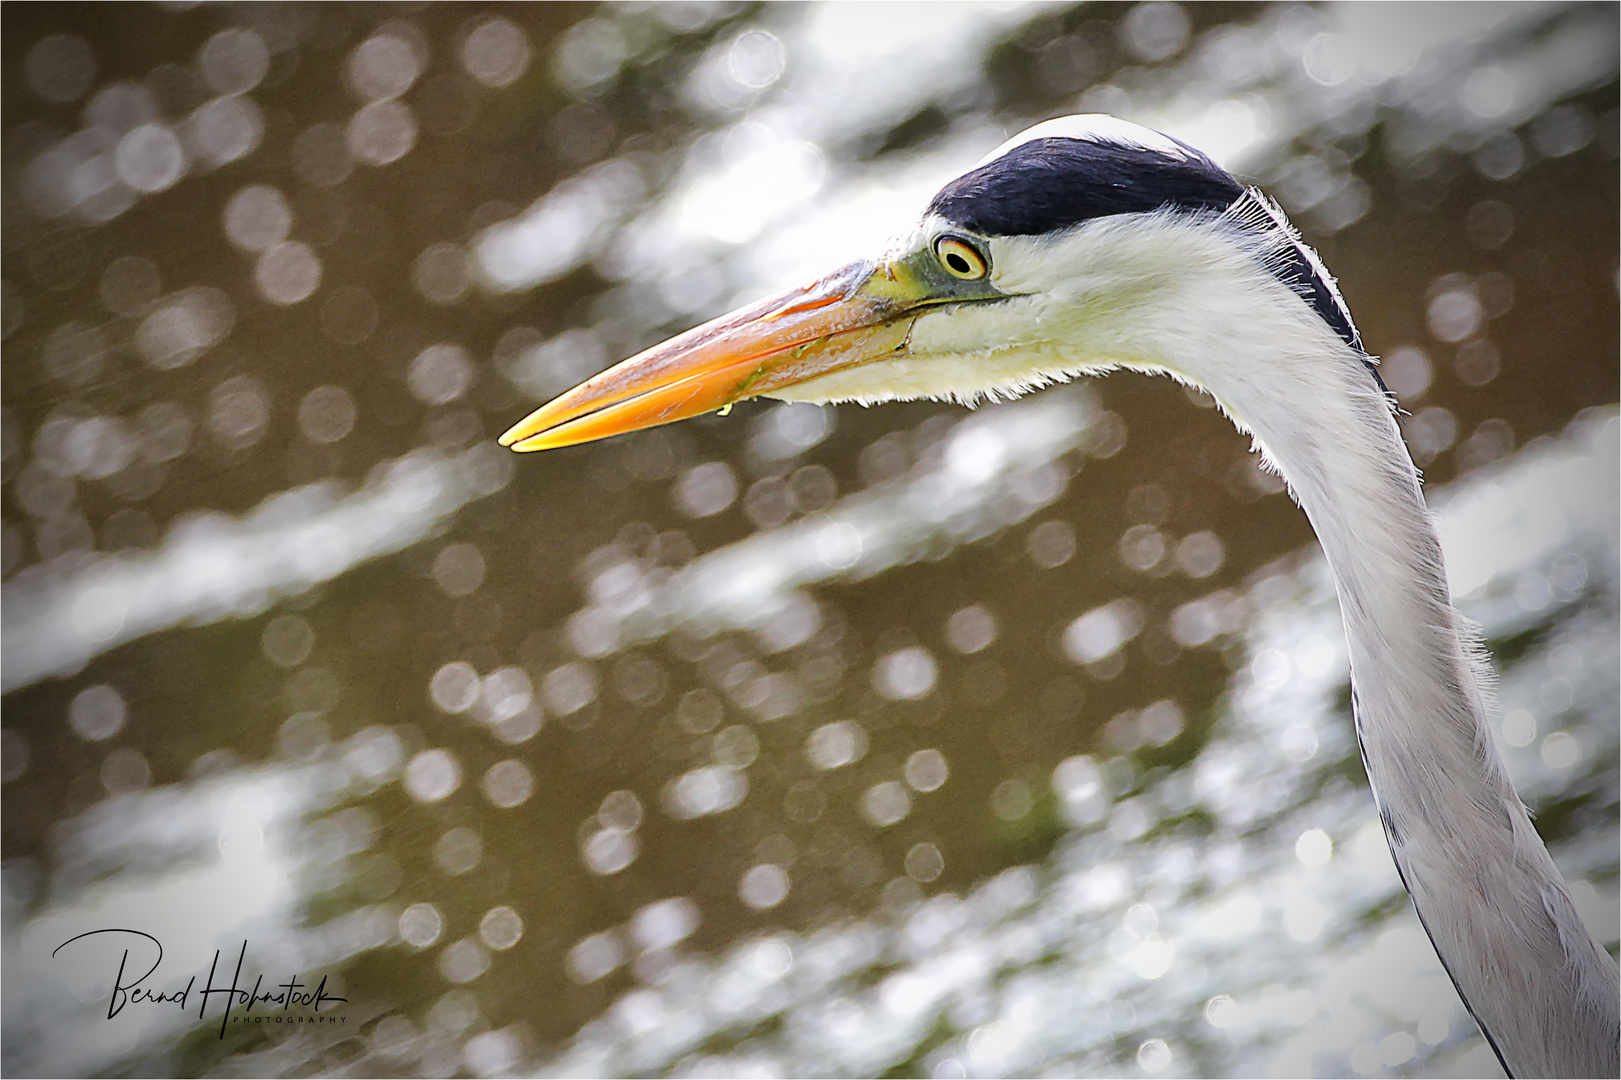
(1481, 879)
(1483, 883)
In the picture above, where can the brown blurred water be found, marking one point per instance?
(296, 385)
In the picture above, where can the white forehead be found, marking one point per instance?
(1093, 127)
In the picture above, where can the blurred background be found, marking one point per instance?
(803, 741)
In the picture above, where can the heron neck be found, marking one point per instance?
(1481, 879)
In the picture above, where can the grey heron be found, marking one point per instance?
(1086, 244)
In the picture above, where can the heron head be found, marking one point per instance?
(988, 294)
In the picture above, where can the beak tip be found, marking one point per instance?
(517, 433)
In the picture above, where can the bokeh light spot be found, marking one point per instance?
(287, 641)
(326, 414)
(382, 67)
(764, 886)
(60, 68)
(508, 784)
(257, 218)
(287, 273)
(97, 713)
(501, 928)
(234, 61)
(495, 52)
(432, 776)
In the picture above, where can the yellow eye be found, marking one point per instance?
(959, 259)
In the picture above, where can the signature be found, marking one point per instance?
(130, 989)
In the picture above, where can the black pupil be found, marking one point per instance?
(958, 263)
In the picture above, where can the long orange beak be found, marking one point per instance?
(850, 317)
